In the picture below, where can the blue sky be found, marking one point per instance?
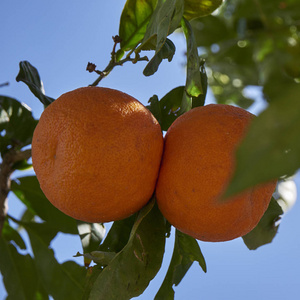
(59, 38)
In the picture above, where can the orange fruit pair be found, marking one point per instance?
(98, 155)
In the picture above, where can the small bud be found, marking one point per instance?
(91, 67)
(117, 39)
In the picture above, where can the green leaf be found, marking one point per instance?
(167, 51)
(135, 17)
(154, 107)
(16, 124)
(165, 19)
(200, 8)
(45, 231)
(91, 235)
(271, 147)
(200, 100)
(130, 272)
(186, 251)
(27, 189)
(118, 235)
(61, 281)
(11, 234)
(19, 274)
(100, 257)
(168, 107)
(30, 76)
(266, 229)
(193, 80)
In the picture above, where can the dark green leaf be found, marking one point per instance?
(61, 281)
(91, 235)
(100, 257)
(130, 272)
(266, 229)
(199, 8)
(16, 124)
(27, 189)
(154, 107)
(44, 231)
(167, 109)
(134, 20)
(19, 274)
(30, 76)
(170, 106)
(186, 251)
(271, 148)
(165, 19)
(118, 235)
(27, 216)
(11, 234)
(167, 51)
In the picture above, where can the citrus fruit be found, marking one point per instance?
(197, 164)
(96, 153)
(199, 8)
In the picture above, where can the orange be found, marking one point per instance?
(197, 164)
(96, 153)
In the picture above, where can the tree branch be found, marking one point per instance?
(4, 84)
(6, 169)
(113, 62)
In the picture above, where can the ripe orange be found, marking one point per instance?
(96, 153)
(197, 164)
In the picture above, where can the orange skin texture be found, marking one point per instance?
(197, 164)
(96, 153)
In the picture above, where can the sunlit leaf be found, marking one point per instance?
(130, 272)
(200, 100)
(91, 235)
(30, 76)
(135, 17)
(186, 251)
(266, 229)
(196, 79)
(199, 8)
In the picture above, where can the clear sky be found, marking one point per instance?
(59, 38)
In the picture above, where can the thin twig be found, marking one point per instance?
(111, 65)
(113, 62)
(6, 169)
(4, 84)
